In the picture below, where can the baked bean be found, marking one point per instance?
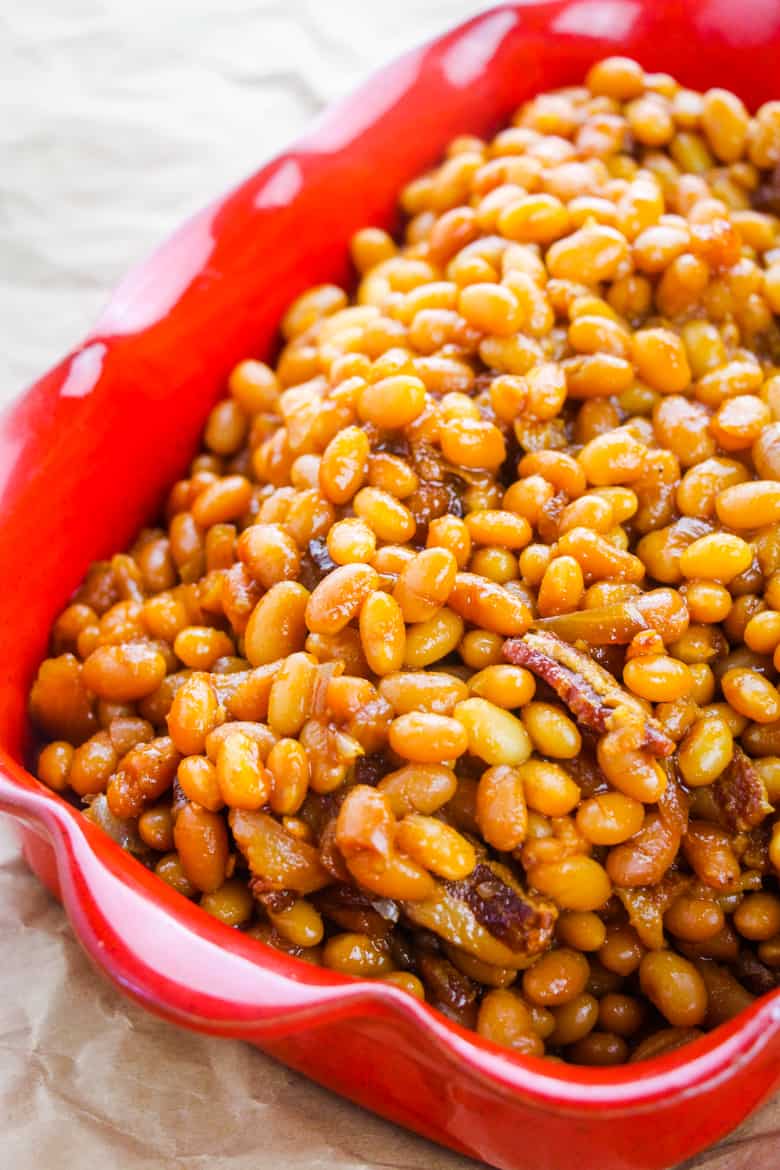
(427, 738)
(725, 122)
(614, 457)
(552, 732)
(382, 633)
(610, 818)
(405, 981)
(488, 605)
(620, 78)
(386, 516)
(54, 764)
(270, 554)
(621, 951)
(199, 647)
(774, 849)
(171, 870)
(574, 1020)
(429, 641)
(224, 500)
(339, 597)
(344, 465)
(299, 923)
(494, 527)
(356, 954)
(202, 844)
(675, 987)
(277, 624)
(706, 751)
(708, 851)
(758, 917)
(749, 505)
(644, 859)
(575, 883)
(548, 788)
(581, 929)
(425, 583)
(473, 443)
(288, 766)
(254, 386)
(125, 672)
(622, 1015)
(719, 557)
(232, 903)
(657, 677)
(92, 764)
(504, 685)
(243, 780)
(501, 810)
(450, 533)
(600, 1049)
(751, 695)
(591, 254)
(505, 1019)
(155, 828)
(351, 541)
(561, 587)
(435, 846)
(197, 776)
(694, 919)
(557, 978)
(492, 733)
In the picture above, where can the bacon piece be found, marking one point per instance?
(673, 803)
(278, 860)
(520, 922)
(646, 906)
(355, 910)
(766, 196)
(446, 984)
(585, 771)
(590, 692)
(754, 974)
(489, 915)
(274, 901)
(741, 794)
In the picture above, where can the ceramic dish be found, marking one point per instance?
(85, 457)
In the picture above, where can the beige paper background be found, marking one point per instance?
(117, 119)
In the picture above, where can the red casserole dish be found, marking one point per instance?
(85, 457)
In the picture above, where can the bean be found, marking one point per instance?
(202, 844)
(575, 883)
(435, 846)
(675, 987)
(382, 633)
(505, 1019)
(501, 809)
(422, 690)
(277, 624)
(491, 733)
(749, 505)
(610, 818)
(339, 597)
(557, 978)
(124, 673)
(427, 738)
(270, 554)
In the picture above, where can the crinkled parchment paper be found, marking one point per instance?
(117, 119)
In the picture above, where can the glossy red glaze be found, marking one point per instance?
(85, 457)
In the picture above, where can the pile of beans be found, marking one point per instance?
(454, 661)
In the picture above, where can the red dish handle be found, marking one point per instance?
(194, 971)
